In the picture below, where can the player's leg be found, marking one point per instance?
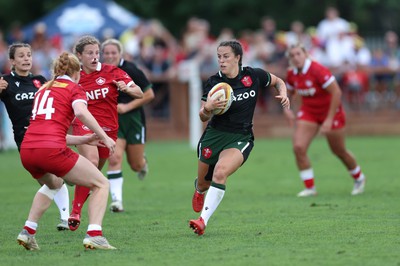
(336, 141)
(304, 133)
(41, 202)
(115, 177)
(86, 174)
(201, 184)
(136, 159)
(81, 192)
(229, 161)
(61, 199)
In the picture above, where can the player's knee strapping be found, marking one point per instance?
(50, 193)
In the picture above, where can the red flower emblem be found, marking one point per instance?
(207, 152)
(246, 81)
(37, 83)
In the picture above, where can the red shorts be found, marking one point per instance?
(339, 120)
(39, 161)
(79, 129)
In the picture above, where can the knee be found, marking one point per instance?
(220, 175)
(115, 159)
(136, 166)
(299, 149)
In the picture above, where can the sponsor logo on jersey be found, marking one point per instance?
(17, 83)
(97, 94)
(207, 152)
(100, 81)
(244, 96)
(307, 92)
(247, 81)
(25, 96)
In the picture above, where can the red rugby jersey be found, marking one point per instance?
(52, 114)
(311, 83)
(102, 94)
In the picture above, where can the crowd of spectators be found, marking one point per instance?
(369, 76)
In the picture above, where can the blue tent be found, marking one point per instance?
(78, 17)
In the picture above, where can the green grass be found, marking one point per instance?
(259, 222)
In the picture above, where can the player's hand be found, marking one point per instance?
(326, 126)
(120, 85)
(285, 102)
(94, 140)
(110, 144)
(3, 84)
(214, 103)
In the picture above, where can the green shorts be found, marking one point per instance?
(213, 141)
(132, 128)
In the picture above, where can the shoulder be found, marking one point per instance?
(39, 77)
(316, 67)
(108, 68)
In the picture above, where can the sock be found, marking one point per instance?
(308, 178)
(213, 199)
(356, 173)
(94, 230)
(80, 196)
(30, 227)
(116, 180)
(62, 201)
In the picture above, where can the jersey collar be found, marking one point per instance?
(306, 67)
(65, 77)
(222, 75)
(121, 62)
(98, 68)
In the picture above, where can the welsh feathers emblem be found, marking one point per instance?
(246, 81)
(207, 152)
(37, 83)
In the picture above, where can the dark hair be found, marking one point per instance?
(83, 41)
(236, 48)
(13, 48)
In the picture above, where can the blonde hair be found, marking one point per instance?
(112, 42)
(66, 64)
(296, 45)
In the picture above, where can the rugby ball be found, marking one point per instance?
(222, 91)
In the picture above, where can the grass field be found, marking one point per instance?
(259, 222)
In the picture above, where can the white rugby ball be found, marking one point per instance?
(222, 91)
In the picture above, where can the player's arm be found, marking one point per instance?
(280, 87)
(91, 139)
(83, 114)
(148, 96)
(208, 106)
(132, 89)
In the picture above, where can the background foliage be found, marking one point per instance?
(372, 16)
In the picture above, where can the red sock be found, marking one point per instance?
(30, 230)
(94, 233)
(356, 175)
(309, 183)
(80, 196)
